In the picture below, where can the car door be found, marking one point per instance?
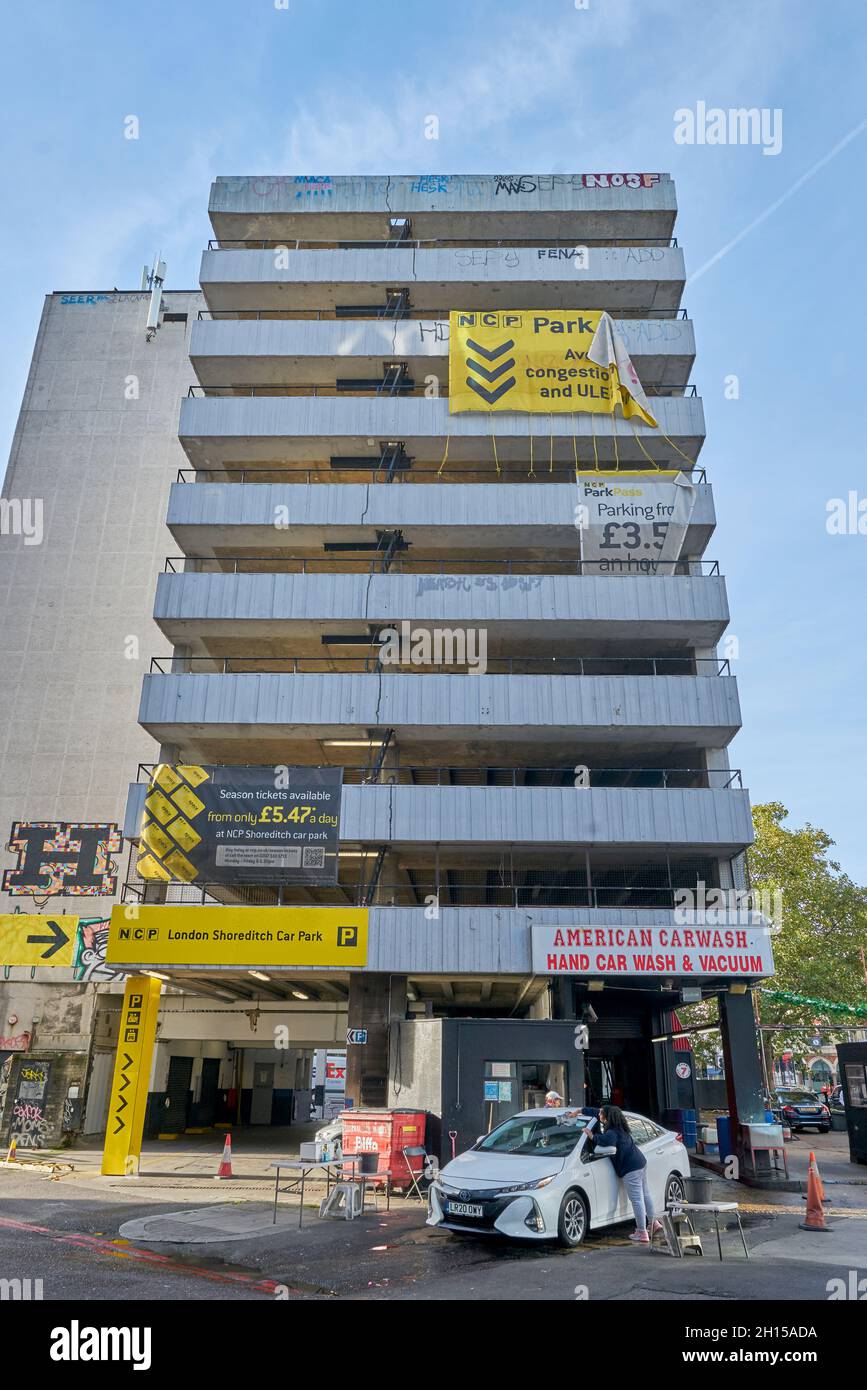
(660, 1149)
(639, 1128)
(606, 1187)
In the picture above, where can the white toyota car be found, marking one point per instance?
(534, 1178)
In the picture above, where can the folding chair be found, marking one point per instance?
(370, 1177)
(414, 1189)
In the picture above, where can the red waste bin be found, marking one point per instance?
(388, 1133)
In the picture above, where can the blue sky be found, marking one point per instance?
(520, 86)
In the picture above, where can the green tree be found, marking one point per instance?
(820, 946)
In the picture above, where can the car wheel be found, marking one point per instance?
(675, 1190)
(823, 1129)
(573, 1220)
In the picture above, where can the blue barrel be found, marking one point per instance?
(724, 1136)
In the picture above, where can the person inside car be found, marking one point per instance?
(630, 1165)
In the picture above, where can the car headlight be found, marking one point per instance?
(529, 1186)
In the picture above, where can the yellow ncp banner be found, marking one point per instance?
(193, 936)
(541, 361)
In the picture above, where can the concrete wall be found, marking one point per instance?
(75, 604)
(616, 267)
(674, 709)
(416, 1064)
(449, 194)
(65, 1070)
(307, 427)
(690, 605)
(545, 513)
(323, 349)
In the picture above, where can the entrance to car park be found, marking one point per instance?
(623, 1065)
(207, 1109)
(177, 1099)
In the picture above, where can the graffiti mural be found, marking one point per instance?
(68, 857)
(90, 947)
(29, 1123)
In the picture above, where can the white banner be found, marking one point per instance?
(633, 523)
(693, 952)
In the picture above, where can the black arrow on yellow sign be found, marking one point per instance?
(122, 1101)
(490, 373)
(55, 942)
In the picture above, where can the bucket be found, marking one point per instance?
(697, 1189)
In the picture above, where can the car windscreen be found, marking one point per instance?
(797, 1098)
(544, 1136)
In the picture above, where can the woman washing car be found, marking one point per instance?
(630, 1165)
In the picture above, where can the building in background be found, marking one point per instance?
(83, 529)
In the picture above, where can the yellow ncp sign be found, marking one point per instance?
(28, 939)
(543, 362)
(196, 936)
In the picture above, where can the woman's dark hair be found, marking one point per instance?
(615, 1118)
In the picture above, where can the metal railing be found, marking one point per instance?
(402, 564)
(503, 665)
(274, 476)
(382, 388)
(396, 243)
(395, 773)
(450, 889)
(385, 311)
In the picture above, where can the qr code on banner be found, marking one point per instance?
(313, 857)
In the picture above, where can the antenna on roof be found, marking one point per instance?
(153, 280)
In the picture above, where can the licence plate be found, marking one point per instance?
(463, 1209)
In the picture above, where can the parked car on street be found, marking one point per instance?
(802, 1110)
(534, 1178)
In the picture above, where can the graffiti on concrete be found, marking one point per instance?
(29, 1124)
(90, 951)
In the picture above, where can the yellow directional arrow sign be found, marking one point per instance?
(28, 939)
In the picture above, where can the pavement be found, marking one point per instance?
(175, 1233)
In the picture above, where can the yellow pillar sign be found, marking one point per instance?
(132, 1068)
(28, 939)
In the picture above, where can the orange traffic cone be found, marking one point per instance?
(10, 1157)
(225, 1168)
(815, 1218)
(819, 1182)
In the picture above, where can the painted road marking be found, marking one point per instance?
(133, 1252)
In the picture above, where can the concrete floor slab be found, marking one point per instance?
(201, 1225)
(845, 1243)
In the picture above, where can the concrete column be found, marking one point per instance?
(375, 1001)
(563, 998)
(743, 1065)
